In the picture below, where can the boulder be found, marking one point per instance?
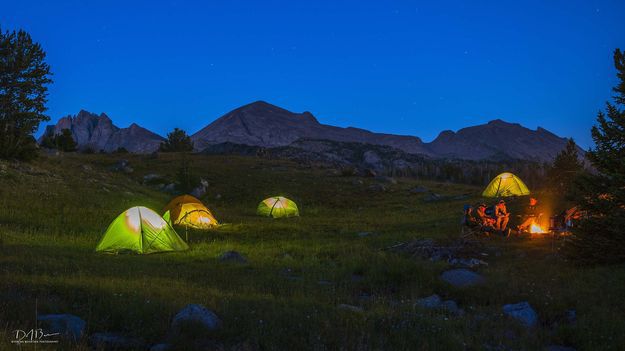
(194, 317)
(201, 189)
(462, 278)
(68, 325)
(115, 341)
(370, 157)
(232, 256)
(432, 301)
(522, 312)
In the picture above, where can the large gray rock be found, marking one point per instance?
(97, 132)
(116, 341)
(462, 278)
(68, 325)
(195, 317)
(371, 158)
(432, 301)
(232, 256)
(201, 189)
(522, 312)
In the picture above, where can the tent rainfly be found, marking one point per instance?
(140, 230)
(504, 185)
(188, 211)
(277, 207)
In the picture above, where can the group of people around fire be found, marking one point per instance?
(496, 218)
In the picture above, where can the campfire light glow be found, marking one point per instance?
(536, 229)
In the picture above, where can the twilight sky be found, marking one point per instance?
(404, 67)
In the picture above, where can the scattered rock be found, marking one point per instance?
(462, 278)
(371, 157)
(123, 166)
(452, 307)
(194, 317)
(218, 197)
(232, 256)
(351, 308)
(419, 190)
(364, 234)
(115, 341)
(432, 197)
(86, 168)
(357, 182)
(522, 312)
(201, 189)
(68, 325)
(435, 302)
(151, 178)
(368, 172)
(388, 180)
(377, 188)
(432, 301)
(467, 262)
(170, 188)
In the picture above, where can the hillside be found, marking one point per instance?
(301, 275)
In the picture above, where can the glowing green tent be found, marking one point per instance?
(506, 184)
(140, 230)
(277, 207)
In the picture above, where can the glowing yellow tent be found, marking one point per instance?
(506, 184)
(277, 207)
(140, 230)
(188, 211)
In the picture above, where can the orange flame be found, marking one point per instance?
(536, 229)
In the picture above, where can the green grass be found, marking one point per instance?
(54, 210)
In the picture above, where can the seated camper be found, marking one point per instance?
(468, 219)
(502, 215)
(484, 219)
(532, 215)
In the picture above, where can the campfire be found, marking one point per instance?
(535, 228)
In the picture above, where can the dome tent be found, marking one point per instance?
(140, 230)
(277, 207)
(188, 211)
(506, 184)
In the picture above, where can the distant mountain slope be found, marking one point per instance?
(266, 125)
(99, 133)
(498, 140)
(263, 124)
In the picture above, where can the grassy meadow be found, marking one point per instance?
(54, 210)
